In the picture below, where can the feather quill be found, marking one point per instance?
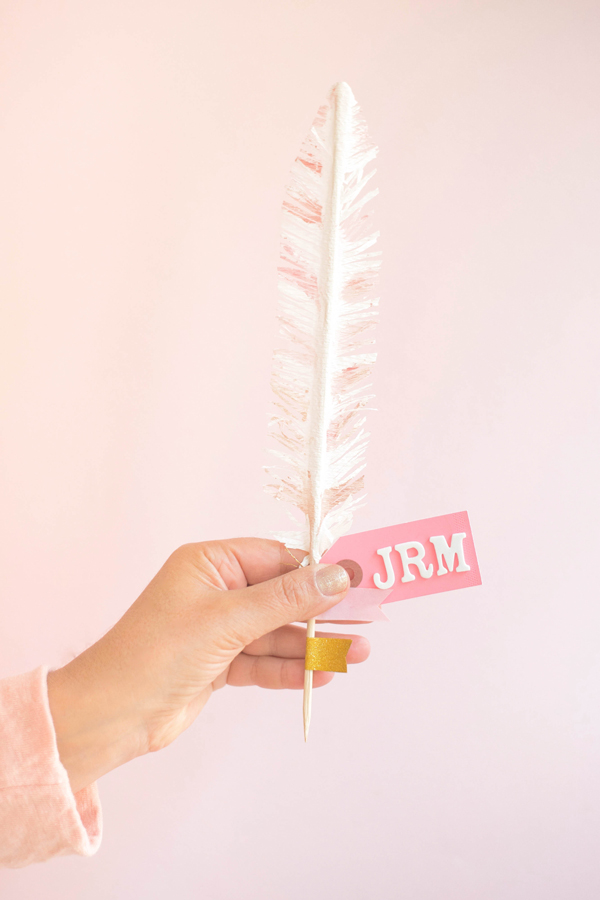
(326, 275)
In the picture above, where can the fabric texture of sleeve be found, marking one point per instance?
(40, 817)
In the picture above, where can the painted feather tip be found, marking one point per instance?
(342, 89)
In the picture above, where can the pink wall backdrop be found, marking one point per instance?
(143, 154)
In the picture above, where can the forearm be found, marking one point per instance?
(95, 722)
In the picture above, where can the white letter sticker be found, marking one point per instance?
(424, 571)
(447, 553)
(389, 570)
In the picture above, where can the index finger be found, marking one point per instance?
(246, 561)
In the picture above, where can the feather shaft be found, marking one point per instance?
(328, 323)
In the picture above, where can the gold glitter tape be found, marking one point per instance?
(326, 654)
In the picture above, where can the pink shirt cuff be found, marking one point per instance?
(40, 817)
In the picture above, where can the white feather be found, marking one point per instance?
(327, 270)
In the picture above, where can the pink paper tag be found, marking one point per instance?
(411, 560)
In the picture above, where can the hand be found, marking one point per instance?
(216, 613)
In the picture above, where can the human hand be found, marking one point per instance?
(216, 613)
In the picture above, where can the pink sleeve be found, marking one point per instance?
(40, 817)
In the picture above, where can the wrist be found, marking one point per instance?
(95, 733)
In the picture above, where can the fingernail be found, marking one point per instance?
(332, 580)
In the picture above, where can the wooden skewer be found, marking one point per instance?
(308, 683)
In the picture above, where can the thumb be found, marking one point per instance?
(295, 597)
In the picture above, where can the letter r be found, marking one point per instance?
(417, 560)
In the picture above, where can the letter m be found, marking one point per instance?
(447, 554)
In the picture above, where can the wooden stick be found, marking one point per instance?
(308, 683)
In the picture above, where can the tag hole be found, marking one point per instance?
(355, 573)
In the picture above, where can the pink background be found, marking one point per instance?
(143, 154)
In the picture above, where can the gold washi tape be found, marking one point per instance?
(326, 654)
